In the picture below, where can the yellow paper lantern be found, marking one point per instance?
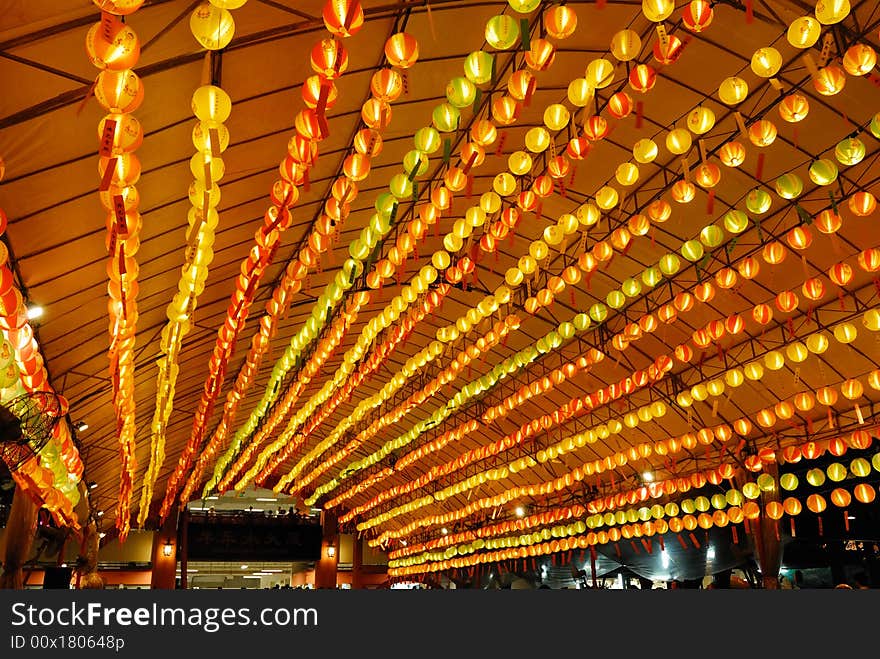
(733, 90)
(678, 141)
(766, 62)
(645, 150)
(803, 32)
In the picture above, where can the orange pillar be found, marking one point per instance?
(165, 541)
(325, 568)
(357, 560)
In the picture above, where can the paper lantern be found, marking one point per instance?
(596, 128)
(732, 154)
(789, 186)
(127, 133)
(502, 31)
(859, 59)
(342, 18)
(523, 6)
(642, 78)
(657, 11)
(758, 201)
(540, 55)
(804, 32)
(733, 90)
(678, 141)
(445, 117)
(762, 313)
(816, 503)
(620, 105)
(697, 15)
(119, 91)
(707, 175)
(113, 45)
(828, 221)
(558, 167)
(402, 50)
(683, 191)
(329, 58)
(701, 119)
(840, 273)
(823, 171)
(864, 493)
(645, 150)
(799, 237)
(625, 45)
(213, 27)
(578, 148)
(607, 197)
(794, 108)
(845, 333)
(667, 52)
(560, 22)
(748, 268)
(766, 62)
(580, 92)
(869, 259)
(505, 110)
(849, 151)
(813, 289)
(627, 174)
(537, 140)
(762, 133)
(862, 203)
(483, 132)
(556, 116)
(600, 73)
(119, 7)
(659, 211)
(829, 80)
(830, 12)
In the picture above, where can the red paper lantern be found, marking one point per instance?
(697, 16)
(402, 50)
(642, 78)
(620, 105)
(595, 128)
(329, 58)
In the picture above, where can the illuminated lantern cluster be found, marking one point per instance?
(329, 59)
(52, 477)
(113, 47)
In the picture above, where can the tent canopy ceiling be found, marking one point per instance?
(58, 238)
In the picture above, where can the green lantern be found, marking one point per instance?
(427, 139)
(688, 507)
(711, 236)
(502, 31)
(766, 482)
(671, 509)
(849, 151)
(758, 201)
(385, 203)
(736, 221)
(380, 222)
(524, 6)
(719, 502)
(875, 126)
(788, 482)
(701, 503)
(479, 67)
(615, 299)
(400, 186)
(692, 250)
(823, 172)
(598, 312)
(734, 497)
(446, 117)
(669, 264)
(566, 330)
(789, 186)
(581, 322)
(836, 472)
(631, 287)
(358, 250)
(415, 163)
(651, 277)
(461, 92)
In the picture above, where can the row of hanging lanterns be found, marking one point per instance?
(212, 26)
(113, 47)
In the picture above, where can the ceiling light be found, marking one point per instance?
(82, 426)
(444, 531)
(648, 476)
(710, 554)
(520, 511)
(850, 516)
(268, 570)
(102, 534)
(34, 312)
(100, 513)
(211, 498)
(244, 567)
(266, 499)
(251, 576)
(403, 542)
(93, 485)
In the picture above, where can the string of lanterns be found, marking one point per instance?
(722, 433)
(212, 25)
(113, 47)
(330, 60)
(52, 476)
(415, 164)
